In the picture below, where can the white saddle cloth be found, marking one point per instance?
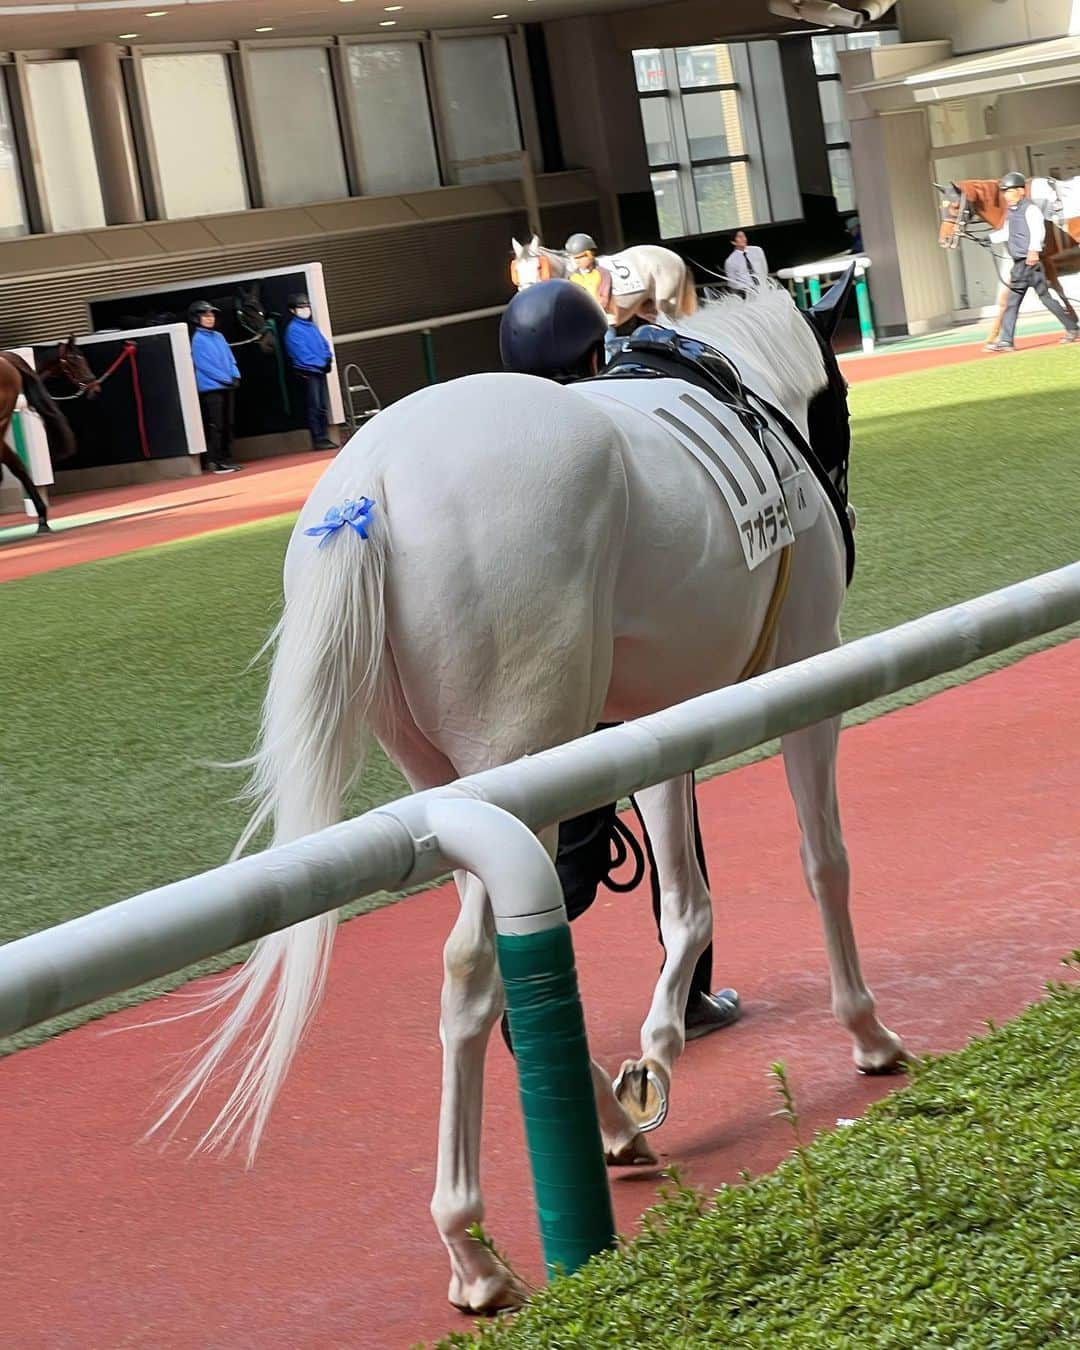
(769, 514)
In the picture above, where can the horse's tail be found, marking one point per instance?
(688, 295)
(57, 429)
(326, 675)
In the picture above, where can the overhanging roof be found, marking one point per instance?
(1032, 66)
(74, 23)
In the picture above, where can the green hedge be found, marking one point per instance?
(948, 1217)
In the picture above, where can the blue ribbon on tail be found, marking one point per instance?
(358, 514)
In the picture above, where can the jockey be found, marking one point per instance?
(555, 331)
(588, 274)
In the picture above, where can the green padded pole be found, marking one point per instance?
(555, 1080)
(815, 289)
(866, 314)
(429, 356)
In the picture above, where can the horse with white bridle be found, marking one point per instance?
(644, 276)
(490, 568)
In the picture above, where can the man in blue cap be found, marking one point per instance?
(216, 376)
(312, 359)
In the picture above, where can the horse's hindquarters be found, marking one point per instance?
(506, 502)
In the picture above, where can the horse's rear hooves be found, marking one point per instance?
(44, 527)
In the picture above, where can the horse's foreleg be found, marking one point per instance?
(810, 763)
(1054, 282)
(686, 927)
(12, 461)
(472, 1001)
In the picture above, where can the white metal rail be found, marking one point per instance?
(420, 837)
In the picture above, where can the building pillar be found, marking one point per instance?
(106, 105)
(804, 117)
(893, 168)
(598, 116)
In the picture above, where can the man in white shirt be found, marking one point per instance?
(1025, 233)
(745, 266)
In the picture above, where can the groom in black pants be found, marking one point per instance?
(1025, 232)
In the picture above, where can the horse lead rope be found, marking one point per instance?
(130, 353)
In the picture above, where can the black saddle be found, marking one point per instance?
(653, 353)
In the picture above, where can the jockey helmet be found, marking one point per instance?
(581, 243)
(551, 329)
(198, 308)
(1013, 180)
(299, 301)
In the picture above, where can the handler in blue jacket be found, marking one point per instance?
(216, 376)
(312, 358)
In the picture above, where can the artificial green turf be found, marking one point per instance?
(947, 1219)
(122, 679)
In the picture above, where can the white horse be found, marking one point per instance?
(525, 560)
(644, 277)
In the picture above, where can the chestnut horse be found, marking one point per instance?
(982, 197)
(18, 377)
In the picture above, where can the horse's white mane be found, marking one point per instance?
(765, 330)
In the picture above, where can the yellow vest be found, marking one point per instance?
(590, 281)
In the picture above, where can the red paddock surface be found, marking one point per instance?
(961, 820)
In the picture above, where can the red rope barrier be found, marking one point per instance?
(132, 351)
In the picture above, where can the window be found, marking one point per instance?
(843, 180)
(649, 69)
(69, 177)
(480, 107)
(189, 100)
(393, 119)
(296, 126)
(669, 209)
(12, 207)
(659, 134)
(833, 110)
(710, 149)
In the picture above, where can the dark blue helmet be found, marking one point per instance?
(550, 329)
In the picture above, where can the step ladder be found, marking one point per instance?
(356, 386)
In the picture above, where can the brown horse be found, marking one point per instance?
(982, 197)
(18, 377)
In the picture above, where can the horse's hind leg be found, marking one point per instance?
(810, 763)
(12, 462)
(686, 926)
(472, 1001)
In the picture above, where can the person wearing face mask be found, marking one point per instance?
(311, 357)
(216, 377)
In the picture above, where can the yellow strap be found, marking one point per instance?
(772, 614)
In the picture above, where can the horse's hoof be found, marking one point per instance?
(641, 1089)
(488, 1296)
(637, 1153)
(887, 1058)
(44, 527)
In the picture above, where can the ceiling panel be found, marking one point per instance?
(71, 23)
